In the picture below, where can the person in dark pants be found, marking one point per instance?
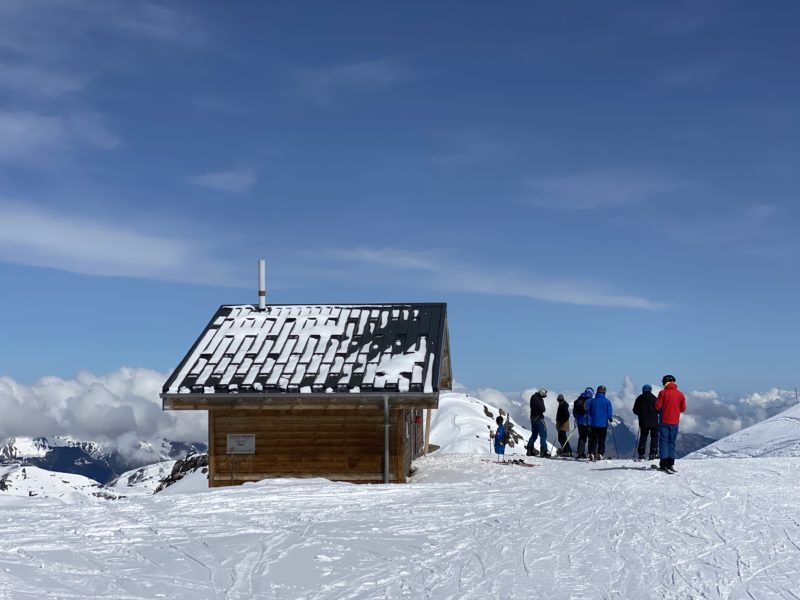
(600, 413)
(562, 425)
(645, 408)
(538, 428)
(582, 420)
(670, 404)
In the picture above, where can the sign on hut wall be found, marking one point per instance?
(241, 443)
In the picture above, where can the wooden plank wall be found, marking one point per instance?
(343, 445)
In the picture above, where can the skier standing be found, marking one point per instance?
(645, 408)
(670, 404)
(582, 420)
(600, 413)
(538, 428)
(562, 425)
(500, 438)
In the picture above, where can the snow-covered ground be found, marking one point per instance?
(776, 436)
(463, 529)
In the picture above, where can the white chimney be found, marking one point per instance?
(262, 284)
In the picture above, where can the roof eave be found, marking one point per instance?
(298, 401)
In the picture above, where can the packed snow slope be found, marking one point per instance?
(463, 528)
(776, 436)
(462, 424)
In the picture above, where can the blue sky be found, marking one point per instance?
(594, 189)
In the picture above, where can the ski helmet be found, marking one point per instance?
(667, 379)
(543, 393)
(647, 388)
(588, 393)
(601, 389)
(560, 398)
(499, 420)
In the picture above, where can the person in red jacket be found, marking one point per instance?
(670, 404)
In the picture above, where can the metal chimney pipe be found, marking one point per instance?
(262, 284)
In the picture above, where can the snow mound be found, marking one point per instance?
(26, 481)
(774, 437)
(462, 425)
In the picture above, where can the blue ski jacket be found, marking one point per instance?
(600, 410)
(584, 418)
(499, 446)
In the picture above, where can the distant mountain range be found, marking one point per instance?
(95, 460)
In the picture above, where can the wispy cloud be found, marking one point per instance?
(759, 230)
(328, 85)
(31, 80)
(36, 236)
(52, 30)
(237, 180)
(29, 136)
(438, 272)
(600, 189)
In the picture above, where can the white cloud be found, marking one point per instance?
(237, 180)
(28, 137)
(600, 189)
(41, 237)
(327, 85)
(435, 272)
(120, 408)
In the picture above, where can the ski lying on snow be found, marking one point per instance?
(519, 464)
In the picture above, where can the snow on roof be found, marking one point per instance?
(320, 348)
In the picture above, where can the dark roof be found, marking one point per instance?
(316, 349)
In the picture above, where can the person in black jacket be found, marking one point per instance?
(562, 425)
(538, 428)
(645, 408)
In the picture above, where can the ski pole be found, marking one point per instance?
(614, 437)
(569, 436)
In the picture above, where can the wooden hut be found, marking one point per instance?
(333, 391)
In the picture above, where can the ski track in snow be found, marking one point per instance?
(463, 529)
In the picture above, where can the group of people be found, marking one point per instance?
(658, 416)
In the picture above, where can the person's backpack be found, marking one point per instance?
(579, 408)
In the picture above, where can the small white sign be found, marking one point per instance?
(241, 443)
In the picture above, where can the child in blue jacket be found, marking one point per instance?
(500, 437)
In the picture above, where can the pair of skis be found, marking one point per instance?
(518, 462)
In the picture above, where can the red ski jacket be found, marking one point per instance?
(671, 403)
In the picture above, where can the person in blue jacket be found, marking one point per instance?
(582, 420)
(600, 412)
(500, 437)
